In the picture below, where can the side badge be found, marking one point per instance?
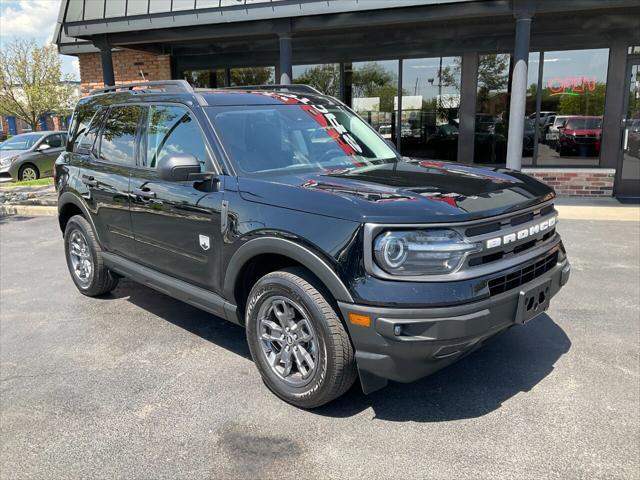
(204, 242)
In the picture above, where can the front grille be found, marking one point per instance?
(530, 272)
(511, 249)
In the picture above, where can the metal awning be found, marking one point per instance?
(225, 28)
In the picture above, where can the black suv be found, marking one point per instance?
(281, 210)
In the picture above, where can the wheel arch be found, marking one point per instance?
(281, 252)
(28, 163)
(70, 205)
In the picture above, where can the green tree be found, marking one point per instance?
(325, 78)
(32, 83)
(251, 76)
(585, 103)
(493, 78)
(372, 80)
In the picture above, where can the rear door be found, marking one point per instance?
(176, 225)
(105, 175)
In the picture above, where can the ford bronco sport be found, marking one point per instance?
(281, 210)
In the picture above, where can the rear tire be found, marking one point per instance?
(290, 324)
(84, 259)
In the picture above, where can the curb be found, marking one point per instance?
(28, 210)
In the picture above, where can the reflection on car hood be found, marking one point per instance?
(584, 131)
(412, 191)
(9, 153)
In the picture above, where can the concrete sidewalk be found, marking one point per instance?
(597, 209)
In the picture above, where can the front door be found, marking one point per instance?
(47, 157)
(176, 225)
(628, 172)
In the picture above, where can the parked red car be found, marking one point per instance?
(580, 135)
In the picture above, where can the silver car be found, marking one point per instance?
(30, 156)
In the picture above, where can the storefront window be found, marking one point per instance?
(430, 105)
(373, 87)
(252, 76)
(205, 78)
(324, 77)
(573, 93)
(238, 77)
(492, 108)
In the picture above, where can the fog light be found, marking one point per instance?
(397, 330)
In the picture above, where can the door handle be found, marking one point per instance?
(90, 181)
(144, 193)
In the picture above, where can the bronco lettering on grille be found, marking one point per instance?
(521, 234)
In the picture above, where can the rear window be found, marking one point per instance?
(118, 137)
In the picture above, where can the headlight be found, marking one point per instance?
(421, 252)
(8, 160)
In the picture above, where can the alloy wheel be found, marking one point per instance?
(81, 259)
(29, 174)
(288, 340)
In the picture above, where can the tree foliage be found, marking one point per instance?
(373, 80)
(251, 76)
(325, 78)
(585, 103)
(32, 83)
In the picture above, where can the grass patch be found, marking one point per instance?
(30, 183)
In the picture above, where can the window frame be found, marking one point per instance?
(212, 162)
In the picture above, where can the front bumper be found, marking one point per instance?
(405, 344)
(6, 171)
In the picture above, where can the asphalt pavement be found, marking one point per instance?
(138, 385)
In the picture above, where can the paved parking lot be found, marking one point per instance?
(138, 385)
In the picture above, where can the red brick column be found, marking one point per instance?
(127, 65)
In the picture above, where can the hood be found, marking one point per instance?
(10, 153)
(584, 131)
(412, 191)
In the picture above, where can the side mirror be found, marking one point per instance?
(179, 167)
(43, 146)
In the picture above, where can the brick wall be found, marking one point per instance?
(576, 182)
(126, 67)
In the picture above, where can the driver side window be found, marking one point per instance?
(54, 141)
(173, 130)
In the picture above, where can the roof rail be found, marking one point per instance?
(181, 86)
(295, 87)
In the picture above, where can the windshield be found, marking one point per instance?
(21, 142)
(272, 139)
(583, 123)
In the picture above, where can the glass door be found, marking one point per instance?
(628, 173)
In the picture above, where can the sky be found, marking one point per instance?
(33, 19)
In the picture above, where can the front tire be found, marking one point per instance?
(84, 259)
(297, 340)
(28, 172)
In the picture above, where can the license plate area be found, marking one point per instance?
(533, 301)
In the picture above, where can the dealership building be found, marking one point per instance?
(552, 86)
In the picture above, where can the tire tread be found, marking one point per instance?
(345, 372)
(103, 280)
